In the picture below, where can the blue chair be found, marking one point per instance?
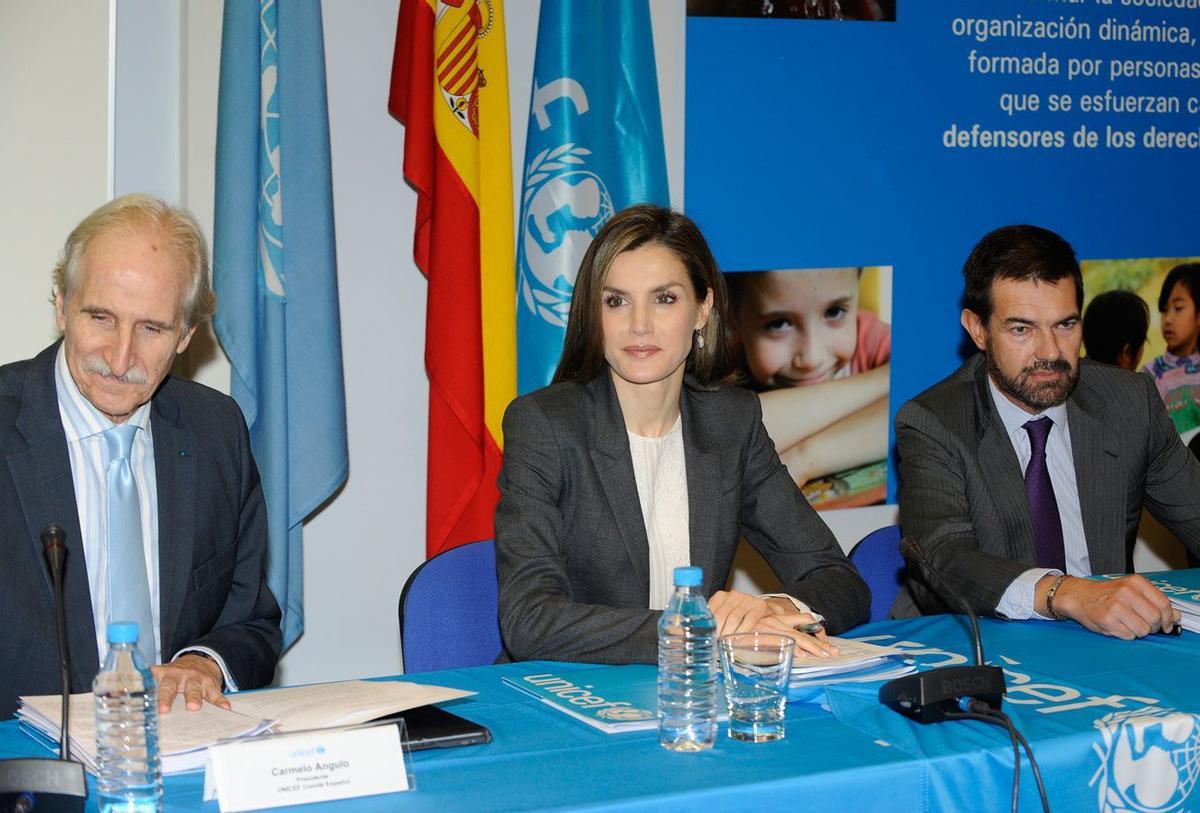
(448, 615)
(877, 557)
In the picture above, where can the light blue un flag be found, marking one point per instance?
(594, 146)
(275, 273)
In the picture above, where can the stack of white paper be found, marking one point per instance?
(1189, 612)
(183, 735)
(857, 662)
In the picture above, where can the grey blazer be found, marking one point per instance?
(962, 491)
(212, 534)
(571, 547)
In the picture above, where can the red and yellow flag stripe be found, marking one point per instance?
(450, 90)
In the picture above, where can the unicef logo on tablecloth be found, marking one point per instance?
(624, 714)
(563, 207)
(1149, 760)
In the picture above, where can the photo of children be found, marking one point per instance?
(1171, 289)
(815, 343)
(1177, 370)
(1116, 326)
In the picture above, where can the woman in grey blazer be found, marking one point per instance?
(639, 458)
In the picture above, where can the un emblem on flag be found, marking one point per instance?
(1149, 760)
(563, 207)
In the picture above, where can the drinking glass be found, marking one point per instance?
(756, 667)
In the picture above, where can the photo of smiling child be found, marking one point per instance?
(816, 344)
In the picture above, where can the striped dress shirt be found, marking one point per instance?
(85, 426)
(1018, 600)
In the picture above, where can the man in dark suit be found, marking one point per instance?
(1028, 467)
(130, 290)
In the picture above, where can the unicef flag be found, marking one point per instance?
(594, 146)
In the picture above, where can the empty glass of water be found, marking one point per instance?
(756, 667)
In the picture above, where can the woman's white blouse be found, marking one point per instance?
(661, 476)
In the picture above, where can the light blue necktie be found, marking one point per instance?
(128, 587)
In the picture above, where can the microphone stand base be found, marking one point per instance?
(56, 786)
(927, 696)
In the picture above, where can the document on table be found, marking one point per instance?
(856, 659)
(325, 705)
(184, 736)
(1189, 613)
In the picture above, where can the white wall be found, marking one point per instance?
(147, 99)
(53, 151)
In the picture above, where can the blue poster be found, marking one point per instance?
(898, 139)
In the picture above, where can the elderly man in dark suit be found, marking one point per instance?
(151, 476)
(1028, 467)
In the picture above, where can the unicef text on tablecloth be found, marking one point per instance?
(1077, 75)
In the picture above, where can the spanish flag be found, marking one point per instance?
(450, 90)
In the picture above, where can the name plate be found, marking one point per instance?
(307, 766)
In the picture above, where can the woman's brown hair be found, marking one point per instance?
(642, 225)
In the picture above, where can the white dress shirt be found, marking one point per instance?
(84, 426)
(1018, 599)
(660, 471)
(661, 476)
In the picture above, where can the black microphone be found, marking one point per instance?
(912, 549)
(29, 784)
(54, 548)
(927, 696)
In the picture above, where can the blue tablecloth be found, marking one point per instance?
(1112, 723)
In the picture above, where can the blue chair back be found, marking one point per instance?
(448, 615)
(877, 557)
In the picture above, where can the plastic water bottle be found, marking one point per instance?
(130, 776)
(687, 667)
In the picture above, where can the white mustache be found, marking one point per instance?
(97, 365)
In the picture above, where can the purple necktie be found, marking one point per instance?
(1043, 508)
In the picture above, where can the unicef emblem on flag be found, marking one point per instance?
(563, 207)
(624, 714)
(1149, 760)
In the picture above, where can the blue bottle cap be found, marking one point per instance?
(688, 576)
(123, 632)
